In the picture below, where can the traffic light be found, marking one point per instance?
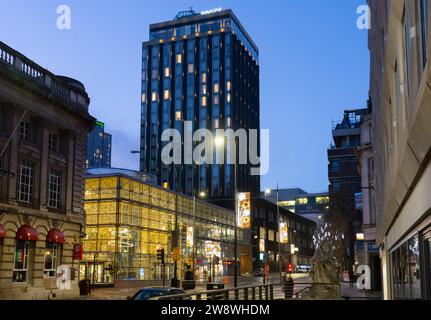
(290, 268)
(161, 255)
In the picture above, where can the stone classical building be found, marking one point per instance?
(400, 92)
(44, 122)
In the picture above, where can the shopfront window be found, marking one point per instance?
(406, 271)
(23, 255)
(52, 253)
(414, 266)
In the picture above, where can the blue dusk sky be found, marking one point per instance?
(314, 64)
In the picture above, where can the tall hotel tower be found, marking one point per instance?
(203, 68)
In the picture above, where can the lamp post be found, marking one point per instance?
(219, 142)
(280, 262)
(174, 281)
(201, 195)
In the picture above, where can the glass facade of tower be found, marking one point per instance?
(202, 68)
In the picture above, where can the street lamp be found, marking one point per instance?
(219, 141)
(280, 263)
(201, 195)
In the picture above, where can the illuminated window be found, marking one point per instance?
(216, 88)
(166, 94)
(216, 124)
(204, 77)
(216, 99)
(51, 258)
(166, 185)
(287, 203)
(167, 72)
(228, 122)
(154, 96)
(190, 68)
(228, 97)
(178, 116)
(144, 98)
(271, 235)
(204, 89)
(302, 201)
(262, 233)
(322, 200)
(179, 58)
(228, 86)
(204, 101)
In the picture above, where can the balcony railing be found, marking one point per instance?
(16, 62)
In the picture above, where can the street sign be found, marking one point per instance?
(176, 254)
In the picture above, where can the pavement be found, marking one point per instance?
(349, 292)
(301, 281)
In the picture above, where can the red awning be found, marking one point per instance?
(55, 236)
(2, 231)
(27, 233)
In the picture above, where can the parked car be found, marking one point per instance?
(153, 292)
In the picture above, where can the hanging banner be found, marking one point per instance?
(243, 210)
(78, 251)
(284, 233)
(190, 237)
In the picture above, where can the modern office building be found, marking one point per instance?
(201, 68)
(99, 146)
(399, 43)
(313, 206)
(366, 169)
(345, 187)
(44, 122)
(297, 232)
(129, 218)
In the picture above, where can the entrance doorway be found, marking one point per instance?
(97, 273)
(376, 272)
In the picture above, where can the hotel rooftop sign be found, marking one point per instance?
(211, 11)
(191, 13)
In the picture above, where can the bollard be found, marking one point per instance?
(289, 286)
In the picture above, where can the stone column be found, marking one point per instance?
(70, 164)
(43, 187)
(14, 159)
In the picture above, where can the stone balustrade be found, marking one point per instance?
(65, 89)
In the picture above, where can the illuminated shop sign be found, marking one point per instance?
(284, 233)
(190, 237)
(243, 210)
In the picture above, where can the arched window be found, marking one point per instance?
(26, 237)
(53, 250)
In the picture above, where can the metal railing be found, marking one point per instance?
(258, 292)
(273, 291)
(54, 85)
